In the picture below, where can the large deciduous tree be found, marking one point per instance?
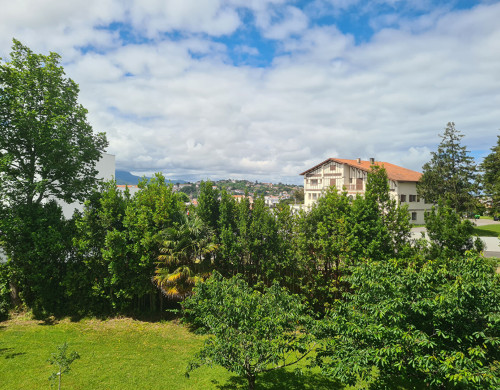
(491, 176)
(451, 175)
(47, 151)
(47, 146)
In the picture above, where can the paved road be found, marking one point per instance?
(492, 244)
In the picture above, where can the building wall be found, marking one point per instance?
(106, 171)
(333, 174)
(416, 204)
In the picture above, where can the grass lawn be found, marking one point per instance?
(121, 354)
(487, 230)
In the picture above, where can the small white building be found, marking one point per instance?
(351, 175)
(271, 200)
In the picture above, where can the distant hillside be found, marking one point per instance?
(124, 177)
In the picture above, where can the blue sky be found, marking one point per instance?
(265, 89)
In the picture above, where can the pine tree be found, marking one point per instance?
(491, 176)
(451, 175)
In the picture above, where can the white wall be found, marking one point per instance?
(106, 171)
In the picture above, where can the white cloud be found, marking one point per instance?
(179, 104)
(208, 16)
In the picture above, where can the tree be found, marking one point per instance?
(47, 151)
(251, 332)
(436, 322)
(208, 204)
(47, 147)
(63, 362)
(298, 195)
(451, 175)
(449, 235)
(185, 257)
(94, 281)
(324, 247)
(491, 176)
(394, 223)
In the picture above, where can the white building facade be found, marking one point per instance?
(351, 176)
(105, 171)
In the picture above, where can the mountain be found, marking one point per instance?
(124, 177)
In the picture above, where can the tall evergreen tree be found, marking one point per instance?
(491, 176)
(208, 204)
(451, 175)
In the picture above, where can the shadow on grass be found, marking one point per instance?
(282, 379)
(8, 353)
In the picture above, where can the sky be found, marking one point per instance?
(266, 89)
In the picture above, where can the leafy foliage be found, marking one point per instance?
(450, 236)
(340, 232)
(47, 151)
(118, 243)
(37, 241)
(186, 257)
(451, 175)
(252, 332)
(62, 360)
(438, 321)
(491, 176)
(45, 136)
(94, 279)
(4, 291)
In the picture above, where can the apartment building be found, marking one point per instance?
(351, 175)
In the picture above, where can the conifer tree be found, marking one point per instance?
(451, 174)
(491, 176)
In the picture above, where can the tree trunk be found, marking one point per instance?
(251, 381)
(14, 294)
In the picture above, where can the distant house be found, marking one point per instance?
(272, 200)
(351, 175)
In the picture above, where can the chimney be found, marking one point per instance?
(372, 161)
(359, 161)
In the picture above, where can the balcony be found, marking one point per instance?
(355, 187)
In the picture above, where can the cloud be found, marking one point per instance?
(177, 102)
(212, 17)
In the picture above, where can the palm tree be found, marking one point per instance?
(186, 256)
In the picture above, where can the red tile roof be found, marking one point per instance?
(394, 172)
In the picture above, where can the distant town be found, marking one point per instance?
(273, 193)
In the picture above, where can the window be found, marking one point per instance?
(402, 198)
(310, 195)
(414, 216)
(314, 182)
(315, 196)
(413, 198)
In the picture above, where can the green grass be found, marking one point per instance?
(487, 230)
(122, 354)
